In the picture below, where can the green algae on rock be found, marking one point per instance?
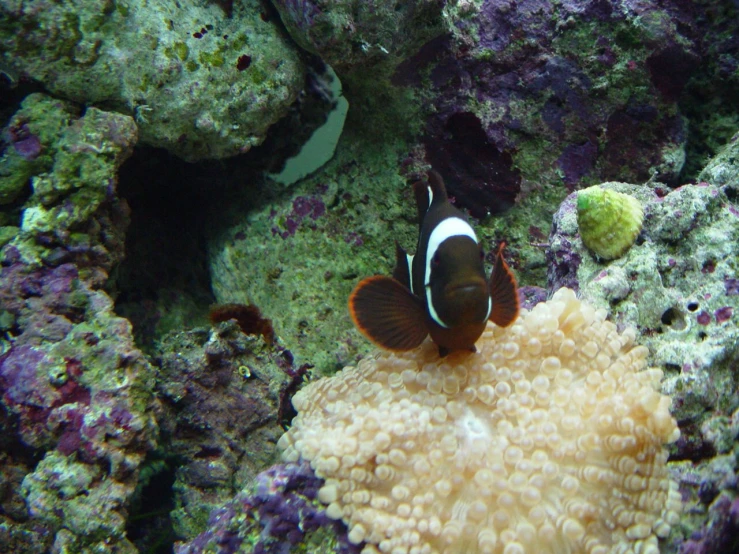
(33, 133)
(680, 287)
(723, 169)
(77, 393)
(609, 221)
(175, 69)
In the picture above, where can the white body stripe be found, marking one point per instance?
(409, 259)
(431, 197)
(448, 228)
(432, 310)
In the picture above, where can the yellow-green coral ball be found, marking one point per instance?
(609, 221)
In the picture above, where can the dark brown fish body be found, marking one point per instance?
(442, 290)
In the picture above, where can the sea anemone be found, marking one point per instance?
(548, 439)
(609, 221)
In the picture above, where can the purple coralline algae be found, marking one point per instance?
(33, 140)
(78, 392)
(277, 514)
(180, 72)
(73, 214)
(304, 208)
(26, 144)
(569, 92)
(722, 532)
(529, 296)
(220, 394)
(563, 259)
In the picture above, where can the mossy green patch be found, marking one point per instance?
(213, 59)
(182, 51)
(238, 42)
(257, 75)
(45, 119)
(122, 8)
(7, 233)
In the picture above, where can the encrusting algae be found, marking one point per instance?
(609, 221)
(548, 439)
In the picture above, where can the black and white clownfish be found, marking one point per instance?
(441, 290)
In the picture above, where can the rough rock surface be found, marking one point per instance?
(220, 392)
(676, 285)
(200, 82)
(77, 393)
(575, 93)
(297, 254)
(354, 35)
(277, 513)
(679, 284)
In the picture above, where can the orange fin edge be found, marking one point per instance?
(388, 314)
(503, 292)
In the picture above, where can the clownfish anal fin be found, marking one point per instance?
(388, 314)
(503, 292)
(402, 271)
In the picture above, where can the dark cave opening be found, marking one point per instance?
(149, 524)
(163, 283)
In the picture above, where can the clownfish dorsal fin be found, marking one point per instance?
(388, 314)
(403, 263)
(503, 292)
(421, 191)
(428, 193)
(436, 185)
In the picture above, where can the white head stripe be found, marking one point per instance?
(447, 228)
(431, 197)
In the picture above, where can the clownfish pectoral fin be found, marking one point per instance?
(402, 271)
(388, 314)
(503, 292)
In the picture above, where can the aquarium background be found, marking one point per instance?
(191, 189)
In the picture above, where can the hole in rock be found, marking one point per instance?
(673, 318)
(149, 524)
